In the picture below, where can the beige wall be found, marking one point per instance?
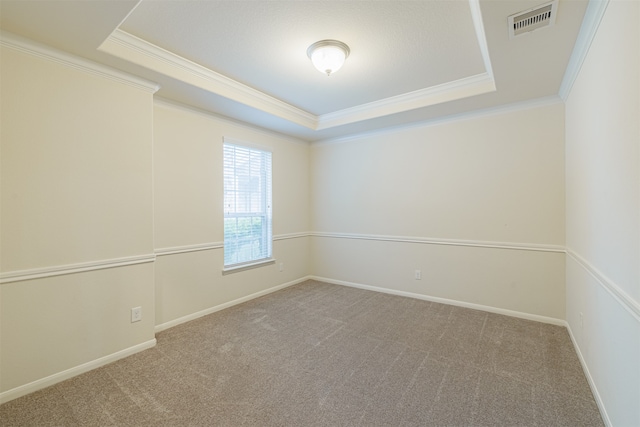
(188, 213)
(603, 212)
(58, 323)
(88, 200)
(110, 200)
(76, 194)
(76, 165)
(464, 202)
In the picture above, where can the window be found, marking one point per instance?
(247, 205)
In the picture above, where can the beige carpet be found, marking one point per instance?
(323, 355)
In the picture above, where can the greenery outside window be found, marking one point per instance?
(247, 205)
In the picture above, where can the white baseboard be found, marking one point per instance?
(72, 372)
(193, 316)
(527, 316)
(592, 384)
(489, 309)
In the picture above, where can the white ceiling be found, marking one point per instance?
(411, 61)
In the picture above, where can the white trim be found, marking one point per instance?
(124, 19)
(236, 268)
(450, 91)
(503, 311)
(590, 23)
(218, 245)
(291, 236)
(592, 383)
(478, 24)
(21, 44)
(72, 372)
(624, 299)
(400, 239)
(229, 140)
(470, 115)
(126, 46)
(60, 270)
(193, 316)
(189, 248)
(138, 51)
(169, 103)
(448, 242)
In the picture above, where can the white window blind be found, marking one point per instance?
(247, 205)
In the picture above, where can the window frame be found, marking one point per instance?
(265, 195)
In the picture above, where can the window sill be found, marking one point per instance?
(247, 266)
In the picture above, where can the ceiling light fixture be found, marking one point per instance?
(328, 55)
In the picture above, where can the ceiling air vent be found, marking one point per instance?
(530, 20)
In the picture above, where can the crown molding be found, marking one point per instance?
(476, 17)
(175, 105)
(32, 48)
(133, 49)
(138, 51)
(470, 115)
(590, 23)
(450, 91)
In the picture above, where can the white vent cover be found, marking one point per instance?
(530, 20)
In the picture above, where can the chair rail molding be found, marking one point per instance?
(60, 270)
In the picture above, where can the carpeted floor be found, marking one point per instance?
(323, 355)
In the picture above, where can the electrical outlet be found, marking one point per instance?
(418, 275)
(281, 266)
(136, 314)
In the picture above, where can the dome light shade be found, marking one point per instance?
(328, 56)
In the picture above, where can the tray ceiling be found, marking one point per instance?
(410, 60)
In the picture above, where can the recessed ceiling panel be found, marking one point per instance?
(397, 47)
(404, 55)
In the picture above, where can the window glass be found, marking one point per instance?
(247, 205)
